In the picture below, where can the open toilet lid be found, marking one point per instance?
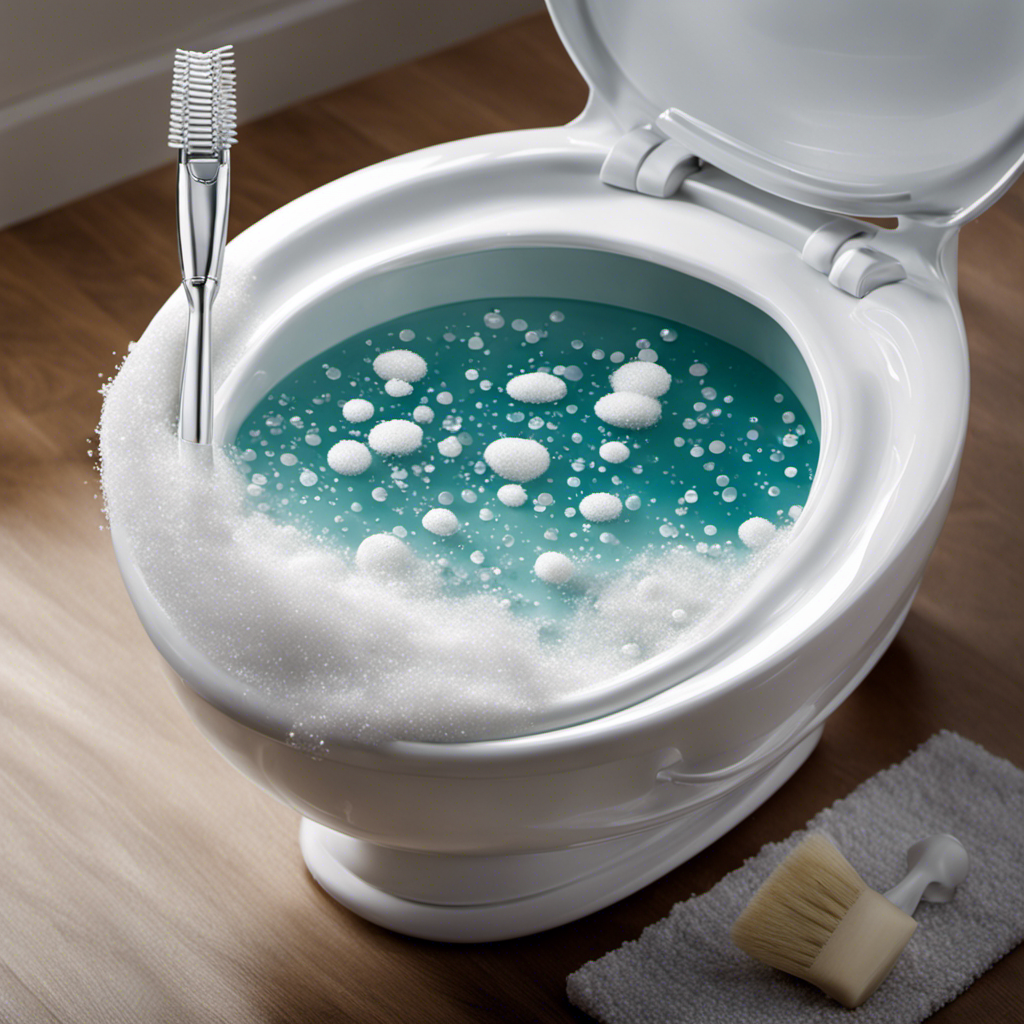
(871, 108)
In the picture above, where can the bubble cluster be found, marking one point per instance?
(519, 459)
(349, 458)
(536, 388)
(400, 364)
(628, 410)
(380, 567)
(395, 437)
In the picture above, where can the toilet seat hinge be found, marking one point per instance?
(646, 161)
(837, 249)
(643, 160)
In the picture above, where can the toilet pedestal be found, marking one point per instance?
(451, 898)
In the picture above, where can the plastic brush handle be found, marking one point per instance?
(935, 867)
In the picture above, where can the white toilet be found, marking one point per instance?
(712, 179)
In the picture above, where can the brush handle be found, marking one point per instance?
(936, 866)
(195, 417)
(203, 196)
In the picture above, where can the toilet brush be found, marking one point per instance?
(202, 129)
(814, 917)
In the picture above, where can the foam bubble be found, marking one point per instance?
(628, 410)
(441, 521)
(397, 388)
(517, 458)
(450, 447)
(400, 364)
(614, 451)
(512, 495)
(600, 507)
(357, 410)
(642, 378)
(756, 532)
(554, 567)
(349, 458)
(536, 388)
(384, 554)
(395, 437)
(423, 414)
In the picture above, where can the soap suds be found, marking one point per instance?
(349, 458)
(357, 410)
(512, 495)
(367, 645)
(383, 554)
(395, 437)
(601, 507)
(641, 378)
(536, 388)
(441, 521)
(517, 458)
(628, 410)
(756, 532)
(450, 447)
(554, 567)
(400, 364)
(614, 451)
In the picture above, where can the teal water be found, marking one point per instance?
(733, 442)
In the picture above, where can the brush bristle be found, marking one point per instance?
(203, 114)
(799, 906)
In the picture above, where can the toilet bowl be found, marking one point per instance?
(710, 218)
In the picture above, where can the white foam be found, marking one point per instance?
(517, 458)
(601, 507)
(614, 451)
(554, 567)
(383, 554)
(423, 414)
(536, 388)
(371, 646)
(756, 532)
(512, 495)
(441, 521)
(450, 447)
(642, 378)
(628, 410)
(395, 437)
(349, 458)
(357, 410)
(397, 388)
(400, 364)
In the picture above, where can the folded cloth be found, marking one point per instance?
(685, 968)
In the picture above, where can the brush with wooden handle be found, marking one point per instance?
(815, 917)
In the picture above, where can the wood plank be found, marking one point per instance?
(146, 880)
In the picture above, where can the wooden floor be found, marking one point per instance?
(143, 879)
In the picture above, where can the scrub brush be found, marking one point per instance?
(203, 121)
(815, 917)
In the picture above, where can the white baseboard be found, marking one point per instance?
(81, 137)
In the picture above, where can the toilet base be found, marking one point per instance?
(392, 887)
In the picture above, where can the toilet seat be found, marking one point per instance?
(885, 109)
(679, 748)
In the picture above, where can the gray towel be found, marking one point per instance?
(685, 968)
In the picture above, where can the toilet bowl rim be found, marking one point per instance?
(433, 751)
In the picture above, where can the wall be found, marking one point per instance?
(84, 88)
